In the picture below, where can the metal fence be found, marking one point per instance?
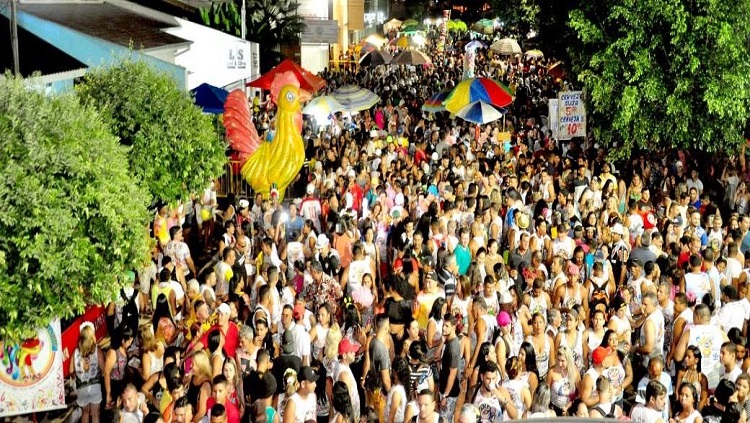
(233, 182)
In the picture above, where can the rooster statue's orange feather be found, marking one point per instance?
(276, 160)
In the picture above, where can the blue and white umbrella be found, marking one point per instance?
(354, 98)
(479, 112)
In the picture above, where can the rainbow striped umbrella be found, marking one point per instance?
(434, 104)
(478, 89)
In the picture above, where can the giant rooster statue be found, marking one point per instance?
(275, 161)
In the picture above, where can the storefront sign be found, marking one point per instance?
(571, 115)
(31, 374)
(237, 59)
(320, 32)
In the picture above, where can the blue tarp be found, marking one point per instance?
(209, 98)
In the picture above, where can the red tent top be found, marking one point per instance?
(307, 80)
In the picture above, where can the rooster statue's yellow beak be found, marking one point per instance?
(304, 96)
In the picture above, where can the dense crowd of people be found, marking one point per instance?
(426, 269)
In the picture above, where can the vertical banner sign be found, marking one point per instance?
(552, 117)
(444, 30)
(571, 114)
(31, 374)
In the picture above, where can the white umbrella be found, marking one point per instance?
(479, 112)
(506, 47)
(323, 105)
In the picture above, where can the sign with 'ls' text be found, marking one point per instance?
(571, 116)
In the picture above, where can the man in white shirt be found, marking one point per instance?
(656, 400)
(732, 314)
(729, 361)
(311, 208)
(301, 337)
(656, 373)
(178, 250)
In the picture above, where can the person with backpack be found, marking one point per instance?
(605, 408)
(125, 310)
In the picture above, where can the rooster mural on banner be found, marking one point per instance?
(269, 165)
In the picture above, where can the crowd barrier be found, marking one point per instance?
(232, 182)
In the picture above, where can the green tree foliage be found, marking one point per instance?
(73, 217)
(223, 16)
(174, 147)
(554, 35)
(272, 23)
(666, 73)
(518, 16)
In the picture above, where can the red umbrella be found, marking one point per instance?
(307, 80)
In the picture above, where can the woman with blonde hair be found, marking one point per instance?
(562, 379)
(291, 385)
(86, 368)
(199, 385)
(152, 358)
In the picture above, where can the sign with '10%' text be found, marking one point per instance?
(571, 115)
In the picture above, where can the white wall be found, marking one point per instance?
(314, 57)
(313, 9)
(214, 57)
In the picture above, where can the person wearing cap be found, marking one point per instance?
(348, 350)
(327, 256)
(287, 359)
(426, 298)
(302, 405)
(302, 342)
(619, 254)
(230, 333)
(311, 208)
(572, 292)
(589, 394)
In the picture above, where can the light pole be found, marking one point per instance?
(14, 36)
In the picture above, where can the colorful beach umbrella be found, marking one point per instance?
(322, 106)
(434, 104)
(477, 89)
(354, 98)
(479, 112)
